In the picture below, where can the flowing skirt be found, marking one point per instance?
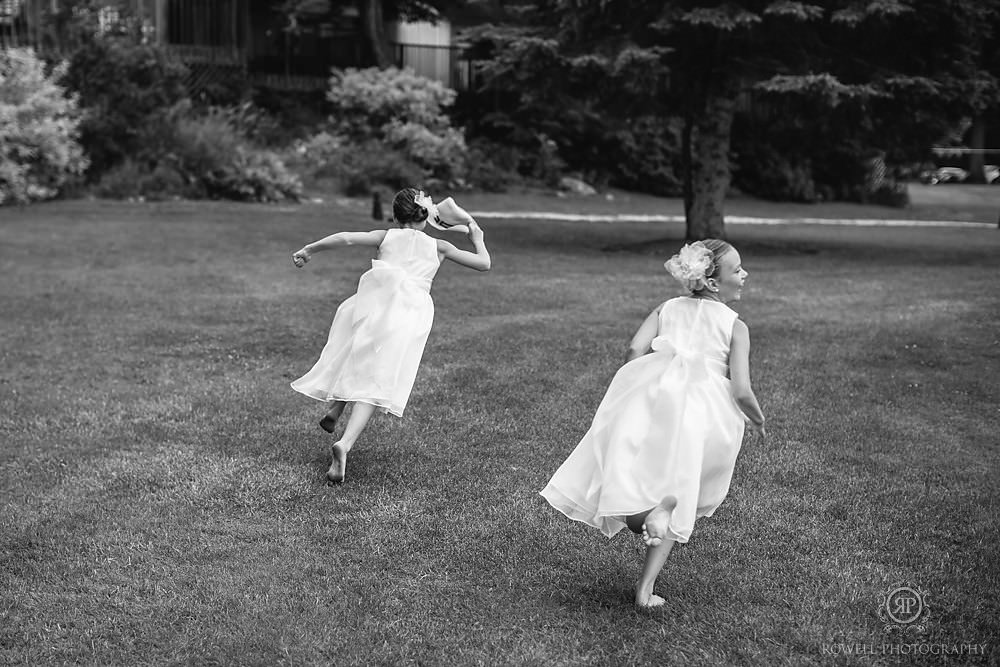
(375, 343)
(667, 433)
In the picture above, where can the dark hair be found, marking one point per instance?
(719, 248)
(405, 209)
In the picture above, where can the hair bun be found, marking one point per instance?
(421, 214)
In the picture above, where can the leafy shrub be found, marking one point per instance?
(365, 100)
(138, 180)
(372, 167)
(252, 175)
(202, 155)
(492, 167)
(764, 172)
(39, 151)
(123, 86)
(403, 111)
(211, 154)
(440, 153)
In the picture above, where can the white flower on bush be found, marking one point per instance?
(39, 129)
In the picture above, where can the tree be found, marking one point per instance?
(698, 58)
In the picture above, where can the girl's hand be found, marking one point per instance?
(758, 429)
(301, 257)
(475, 233)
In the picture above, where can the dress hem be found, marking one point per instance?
(327, 397)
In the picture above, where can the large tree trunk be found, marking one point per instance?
(686, 133)
(710, 164)
(977, 142)
(377, 51)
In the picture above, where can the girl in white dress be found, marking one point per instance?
(661, 450)
(378, 335)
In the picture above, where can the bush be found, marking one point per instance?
(440, 153)
(764, 172)
(134, 180)
(39, 127)
(372, 167)
(895, 195)
(123, 86)
(404, 112)
(201, 155)
(252, 175)
(491, 166)
(364, 101)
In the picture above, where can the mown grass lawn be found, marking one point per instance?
(161, 487)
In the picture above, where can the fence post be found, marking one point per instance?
(160, 19)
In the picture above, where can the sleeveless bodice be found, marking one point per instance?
(697, 328)
(411, 250)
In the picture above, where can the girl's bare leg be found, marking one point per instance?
(360, 414)
(329, 422)
(653, 525)
(656, 556)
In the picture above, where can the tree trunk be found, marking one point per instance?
(686, 160)
(373, 33)
(710, 164)
(977, 142)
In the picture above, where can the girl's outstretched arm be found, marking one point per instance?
(739, 372)
(372, 238)
(643, 339)
(479, 260)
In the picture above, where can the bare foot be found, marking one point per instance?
(645, 599)
(338, 467)
(328, 423)
(654, 528)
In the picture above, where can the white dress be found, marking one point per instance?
(667, 432)
(378, 335)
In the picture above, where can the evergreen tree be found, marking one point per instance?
(908, 67)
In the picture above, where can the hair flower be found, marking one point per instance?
(691, 266)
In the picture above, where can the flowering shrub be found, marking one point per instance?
(39, 130)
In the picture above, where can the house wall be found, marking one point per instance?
(424, 47)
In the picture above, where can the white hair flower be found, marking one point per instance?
(691, 266)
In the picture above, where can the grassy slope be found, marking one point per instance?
(161, 494)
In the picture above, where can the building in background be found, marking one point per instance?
(268, 43)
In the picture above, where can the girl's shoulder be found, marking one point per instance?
(674, 303)
(693, 301)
